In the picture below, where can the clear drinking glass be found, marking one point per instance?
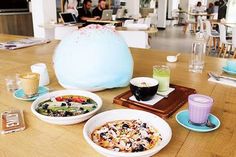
(162, 74)
(11, 84)
(196, 63)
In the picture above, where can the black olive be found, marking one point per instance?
(94, 106)
(125, 126)
(84, 103)
(81, 108)
(148, 139)
(45, 106)
(144, 125)
(63, 104)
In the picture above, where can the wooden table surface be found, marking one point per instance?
(104, 22)
(150, 31)
(200, 14)
(45, 140)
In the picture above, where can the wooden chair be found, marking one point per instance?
(190, 22)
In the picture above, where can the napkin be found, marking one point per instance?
(223, 81)
(155, 99)
(151, 102)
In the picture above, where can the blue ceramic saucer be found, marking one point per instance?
(183, 117)
(225, 69)
(19, 94)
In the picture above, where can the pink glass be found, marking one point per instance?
(199, 108)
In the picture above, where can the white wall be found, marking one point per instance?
(172, 5)
(43, 11)
(231, 11)
(132, 6)
(161, 13)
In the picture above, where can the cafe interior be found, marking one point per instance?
(118, 78)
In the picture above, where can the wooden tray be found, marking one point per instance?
(165, 107)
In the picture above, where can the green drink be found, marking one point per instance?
(162, 75)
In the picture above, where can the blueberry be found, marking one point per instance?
(68, 103)
(45, 106)
(63, 104)
(86, 111)
(139, 148)
(144, 125)
(148, 139)
(103, 135)
(125, 126)
(67, 113)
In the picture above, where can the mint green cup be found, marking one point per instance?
(162, 74)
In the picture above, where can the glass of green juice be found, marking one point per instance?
(162, 74)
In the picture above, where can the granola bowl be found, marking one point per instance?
(127, 133)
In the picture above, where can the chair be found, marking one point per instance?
(190, 22)
(234, 41)
(136, 39)
(213, 35)
(226, 45)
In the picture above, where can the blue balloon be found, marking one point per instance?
(93, 58)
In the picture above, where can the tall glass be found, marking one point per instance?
(162, 74)
(197, 60)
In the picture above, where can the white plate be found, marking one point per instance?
(66, 120)
(127, 114)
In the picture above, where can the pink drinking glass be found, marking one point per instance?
(199, 108)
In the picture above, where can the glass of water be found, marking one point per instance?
(196, 63)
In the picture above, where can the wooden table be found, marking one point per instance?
(45, 140)
(200, 14)
(119, 23)
(149, 31)
(214, 22)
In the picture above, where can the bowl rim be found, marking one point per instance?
(132, 154)
(35, 103)
(145, 78)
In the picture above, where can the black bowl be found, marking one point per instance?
(143, 88)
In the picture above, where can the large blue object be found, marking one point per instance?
(93, 58)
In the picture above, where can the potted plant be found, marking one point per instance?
(145, 3)
(145, 8)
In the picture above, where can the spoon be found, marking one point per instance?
(173, 58)
(207, 124)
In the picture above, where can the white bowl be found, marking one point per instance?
(66, 120)
(171, 59)
(127, 114)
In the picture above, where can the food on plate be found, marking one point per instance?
(126, 136)
(66, 106)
